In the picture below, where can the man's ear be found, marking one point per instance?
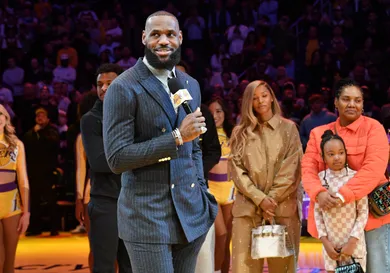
(181, 37)
(144, 37)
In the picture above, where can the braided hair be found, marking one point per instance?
(344, 83)
(327, 136)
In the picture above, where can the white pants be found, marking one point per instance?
(205, 262)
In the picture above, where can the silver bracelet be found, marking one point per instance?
(338, 195)
(176, 134)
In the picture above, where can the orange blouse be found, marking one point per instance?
(367, 153)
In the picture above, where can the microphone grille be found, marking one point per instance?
(175, 85)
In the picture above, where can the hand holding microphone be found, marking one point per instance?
(193, 125)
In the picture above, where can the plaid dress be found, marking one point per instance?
(339, 223)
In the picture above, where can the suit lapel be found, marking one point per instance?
(156, 90)
(181, 114)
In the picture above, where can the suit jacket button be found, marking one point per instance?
(192, 185)
(173, 185)
(163, 130)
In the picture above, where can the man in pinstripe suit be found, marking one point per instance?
(164, 209)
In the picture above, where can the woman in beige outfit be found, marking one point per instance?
(265, 167)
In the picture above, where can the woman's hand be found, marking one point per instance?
(24, 221)
(327, 201)
(269, 205)
(268, 217)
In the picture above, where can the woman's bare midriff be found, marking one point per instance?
(220, 168)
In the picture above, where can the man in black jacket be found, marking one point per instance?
(42, 145)
(105, 185)
(211, 153)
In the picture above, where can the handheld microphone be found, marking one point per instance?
(181, 95)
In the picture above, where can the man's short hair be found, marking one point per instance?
(41, 110)
(107, 68)
(316, 98)
(161, 13)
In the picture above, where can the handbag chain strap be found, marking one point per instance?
(263, 222)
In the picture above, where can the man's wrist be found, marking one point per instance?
(177, 136)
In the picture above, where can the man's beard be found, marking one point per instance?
(154, 60)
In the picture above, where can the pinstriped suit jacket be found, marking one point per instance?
(164, 197)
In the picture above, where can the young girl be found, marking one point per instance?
(341, 229)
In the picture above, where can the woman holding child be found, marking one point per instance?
(367, 153)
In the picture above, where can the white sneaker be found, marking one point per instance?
(78, 229)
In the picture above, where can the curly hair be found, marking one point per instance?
(109, 67)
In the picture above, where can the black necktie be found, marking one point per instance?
(171, 75)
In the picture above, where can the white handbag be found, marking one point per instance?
(270, 241)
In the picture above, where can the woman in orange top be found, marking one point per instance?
(14, 192)
(368, 151)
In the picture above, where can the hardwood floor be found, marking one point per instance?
(68, 253)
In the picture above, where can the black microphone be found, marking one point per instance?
(175, 85)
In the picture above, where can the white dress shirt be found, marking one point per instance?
(162, 75)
